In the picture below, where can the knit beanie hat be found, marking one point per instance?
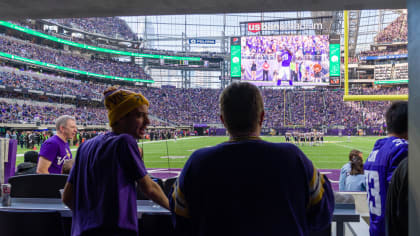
(120, 102)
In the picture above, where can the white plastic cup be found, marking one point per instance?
(61, 192)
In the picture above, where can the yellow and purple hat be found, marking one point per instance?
(120, 102)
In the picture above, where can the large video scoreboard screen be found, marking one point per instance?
(285, 60)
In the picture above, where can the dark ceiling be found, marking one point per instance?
(13, 9)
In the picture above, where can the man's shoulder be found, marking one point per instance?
(392, 145)
(122, 138)
(285, 148)
(53, 140)
(111, 136)
(399, 143)
(289, 147)
(384, 150)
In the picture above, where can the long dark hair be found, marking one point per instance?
(357, 166)
(354, 153)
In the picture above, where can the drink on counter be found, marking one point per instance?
(5, 193)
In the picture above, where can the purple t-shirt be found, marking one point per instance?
(56, 151)
(103, 179)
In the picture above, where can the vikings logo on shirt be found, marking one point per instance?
(68, 153)
(60, 160)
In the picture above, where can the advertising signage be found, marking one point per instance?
(256, 27)
(235, 57)
(334, 59)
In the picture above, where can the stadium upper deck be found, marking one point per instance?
(305, 108)
(112, 27)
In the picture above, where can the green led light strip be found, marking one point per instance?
(93, 48)
(18, 58)
(401, 81)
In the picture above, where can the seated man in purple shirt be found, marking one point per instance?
(101, 189)
(56, 150)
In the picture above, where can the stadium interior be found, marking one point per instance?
(59, 59)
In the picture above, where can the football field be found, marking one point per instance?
(165, 158)
(332, 154)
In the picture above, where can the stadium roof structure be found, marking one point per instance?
(97, 8)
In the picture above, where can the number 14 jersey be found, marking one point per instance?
(379, 167)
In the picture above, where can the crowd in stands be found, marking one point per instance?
(71, 60)
(394, 32)
(10, 113)
(309, 108)
(391, 71)
(50, 84)
(46, 114)
(58, 87)
(112, 27)
(351, 60)
(131, 47)
(384, 52)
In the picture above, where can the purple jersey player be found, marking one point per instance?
(285, 57)
(381, 163)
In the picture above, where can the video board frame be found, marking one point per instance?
(282, 60)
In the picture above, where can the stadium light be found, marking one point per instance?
(27, 60)
(93, 48)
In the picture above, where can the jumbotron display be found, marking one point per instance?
(285, 60)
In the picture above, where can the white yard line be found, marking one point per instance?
(351, 147)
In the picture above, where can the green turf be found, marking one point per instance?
(330, 155)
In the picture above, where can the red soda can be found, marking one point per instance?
(5, 193)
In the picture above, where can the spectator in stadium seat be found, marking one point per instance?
(346, 169)
(385, 157)
(8, 134)
(356, 181)
(101, 188)
(29, 164)
(247, 186)
(56, 150)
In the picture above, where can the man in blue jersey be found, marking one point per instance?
(247, 186)
(381, 163)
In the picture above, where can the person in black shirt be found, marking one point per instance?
(29, 164)
(397, 202)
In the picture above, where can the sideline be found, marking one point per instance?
(158, 141)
